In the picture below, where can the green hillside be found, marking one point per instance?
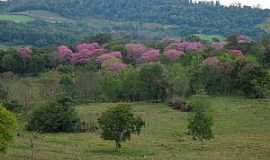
(152, 20)
(15, 18)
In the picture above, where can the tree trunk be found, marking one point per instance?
(117, 145)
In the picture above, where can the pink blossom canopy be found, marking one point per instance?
(25, 52)
(218, 45)
(173, 54)
(236, 52)
(64, 53)
(116, 67)
(107, 56)
(185, 46)
(211, 61)
(88, 46)
(242, 39)
(135, 50)
(150, 55)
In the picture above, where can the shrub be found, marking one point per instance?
(200, 122)
(7, 128)
(57, 116)
(179, 104)
(119, 123)
(12, 106)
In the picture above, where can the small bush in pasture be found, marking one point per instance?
(119, 123)
(57, 116)
(200, 122)
(7, 128)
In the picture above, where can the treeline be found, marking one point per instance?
(37, 33)
(115, 70)
(190, 18)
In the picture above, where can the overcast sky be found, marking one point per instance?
(263, 3)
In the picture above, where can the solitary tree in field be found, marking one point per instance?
(119, 123)
(200, 124)
(7, 128)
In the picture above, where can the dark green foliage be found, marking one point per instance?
(65, 69)
(100, 38)
(252, 79)
(119, 123)
(11, 61)
(200, 122)
(8, 126)
(3, 92)
(12, 105)
(153, 77)
(186, 17)
(59, 116)
(67, 82)
(213, 79)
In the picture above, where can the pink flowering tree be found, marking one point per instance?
(211, 61)
(218, 45)
(185, 46)
(173, 54)
(88, 46)
(108, 56)
(135, 50)
(84, 53)
(236, 52)
(25, 52)
(64, 53)
(150, 55)
(242, 39)
(193, 46)
(113, 65)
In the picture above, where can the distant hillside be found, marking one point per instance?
(173, 17)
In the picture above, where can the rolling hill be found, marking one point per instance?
(153, 19)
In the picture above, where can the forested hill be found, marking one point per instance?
(181, 16)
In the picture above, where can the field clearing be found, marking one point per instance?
(242, 132)
(16, 18)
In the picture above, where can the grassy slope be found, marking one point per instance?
(16, 18)
(241, 127)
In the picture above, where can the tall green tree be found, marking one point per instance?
(8, 127)
(119, 123)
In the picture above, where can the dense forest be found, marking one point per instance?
(177, 18)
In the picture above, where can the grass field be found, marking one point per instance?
(16, 18)
(242, 132)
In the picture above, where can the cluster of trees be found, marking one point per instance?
(121, 71)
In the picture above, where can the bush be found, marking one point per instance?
(7, 128)
(179, 104)
(119, 123)
(200, 122)
(57, 116)
(12, 106)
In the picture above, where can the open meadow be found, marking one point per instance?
(241, 129)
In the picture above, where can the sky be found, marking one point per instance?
(263, 3)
